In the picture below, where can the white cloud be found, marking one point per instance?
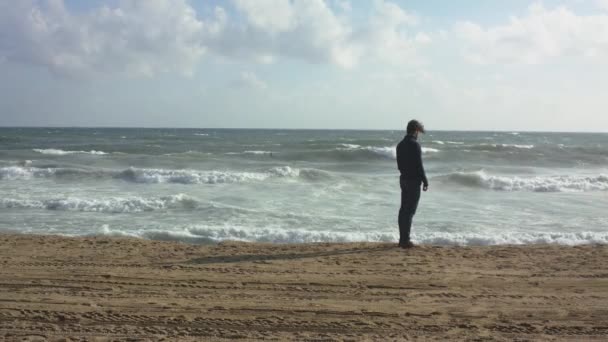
(386, 37)
(343, 5)
(422, 38)
(538, 35)
(310, 30)
(146, 37)
(603, 4)
(249, 80)
(391, 15)
(300, 29)
(138, 37)
(273, 16)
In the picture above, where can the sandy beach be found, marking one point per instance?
(104, 289)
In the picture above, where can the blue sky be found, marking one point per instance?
(482, 65)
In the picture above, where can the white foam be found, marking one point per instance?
(284, 171)
(389, 152)
(558, 183)
(15, 172)
(152, 176)
(252, 152)
(514, 238)
(53, 151)
(105, 205)
(57, 152)
(19, 172)
(526, 147)
(203, 233)
(258, 152)
(384, 151)
(157, 176)
(189, 152)
(187, 176)
(351, 146)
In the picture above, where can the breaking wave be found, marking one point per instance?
(500, 147)
(108, 205)
(515, 238)
(480, 179)
(203, 234)
(20, 172)
(258, 152)
(151, 176)
(156, 176)
(440, 142)
(57, 152)
(389, 152)
(214, 234)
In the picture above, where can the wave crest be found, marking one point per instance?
(214, 234)
(151, 176)
(108, 205)
(515, 238)
(480, 179)
(157, 176)
(389, 152)
(500, 147)
(206, 234)
(58, 152)
(20, 172)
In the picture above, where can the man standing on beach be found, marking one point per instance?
(409, 162)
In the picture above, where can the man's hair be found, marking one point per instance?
(413, 126)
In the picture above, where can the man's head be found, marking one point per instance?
(414, 127)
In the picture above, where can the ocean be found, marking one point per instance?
(296, 186)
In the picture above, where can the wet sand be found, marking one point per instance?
(105, 289)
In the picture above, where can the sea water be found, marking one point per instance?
(209, 185)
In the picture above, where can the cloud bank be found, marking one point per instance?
(139, 37)
(145, 37)
(540, 34)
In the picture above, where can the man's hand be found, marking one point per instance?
(425, 187)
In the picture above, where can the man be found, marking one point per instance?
(409, 161)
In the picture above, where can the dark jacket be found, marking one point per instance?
(409, 160)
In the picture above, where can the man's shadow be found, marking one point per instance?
(227, 259)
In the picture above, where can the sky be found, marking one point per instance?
(319, 64)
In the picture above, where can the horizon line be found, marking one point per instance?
(306, 129)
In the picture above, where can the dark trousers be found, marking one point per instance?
(410, 195)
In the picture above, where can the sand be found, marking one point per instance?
(105, 289)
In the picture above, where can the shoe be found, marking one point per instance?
(406, 245)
